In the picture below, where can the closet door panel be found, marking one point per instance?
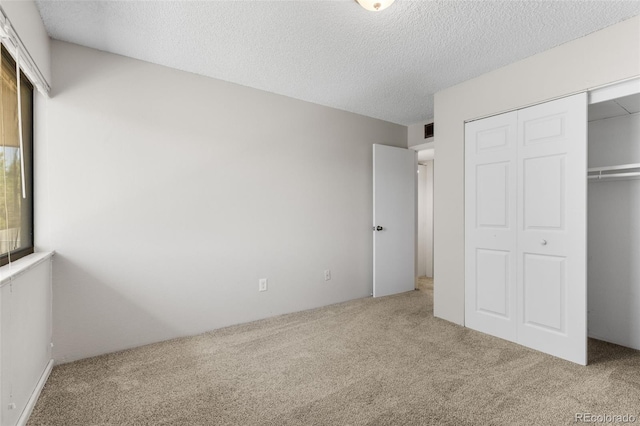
(551, 254)
(492, 185)
(492, 282)
(544, 193)
(490, 225)
(545, 287)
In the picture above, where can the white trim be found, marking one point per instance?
(28, 409)
(14, 45)
(427, 145)
(20, 266)
(615, 90)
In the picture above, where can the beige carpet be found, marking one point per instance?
(366, 362)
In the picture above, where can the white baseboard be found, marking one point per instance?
(26, 413)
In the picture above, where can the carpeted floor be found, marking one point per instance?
(381, 361)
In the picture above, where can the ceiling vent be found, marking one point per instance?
(428, 130)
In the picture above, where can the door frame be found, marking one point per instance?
(428, 145)
(615, 90)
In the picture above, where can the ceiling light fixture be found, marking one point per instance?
(375, 5)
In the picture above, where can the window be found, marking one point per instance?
(16, 164)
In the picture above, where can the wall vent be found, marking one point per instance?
(428, 130)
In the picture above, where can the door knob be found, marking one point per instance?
(543, 242)
(378, 228)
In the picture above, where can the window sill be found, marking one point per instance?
(20, 266)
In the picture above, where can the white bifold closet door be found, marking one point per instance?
(490, 232)
(525, 226)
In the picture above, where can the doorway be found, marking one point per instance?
(613, 234)
(424, 237)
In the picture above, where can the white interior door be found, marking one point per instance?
(552, 219)
(490, 225)
(525, 227)
(394, 220)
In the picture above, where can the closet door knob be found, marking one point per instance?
(543, 242)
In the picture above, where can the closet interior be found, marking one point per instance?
(613, 249)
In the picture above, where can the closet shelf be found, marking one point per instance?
(621, 171)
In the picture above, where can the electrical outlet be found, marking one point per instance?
(327, 275)
(262, 284)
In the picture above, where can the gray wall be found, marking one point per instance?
(415, 134)
(602, 57)
(167, 195)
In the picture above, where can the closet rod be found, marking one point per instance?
(614, 175)
(620, 167)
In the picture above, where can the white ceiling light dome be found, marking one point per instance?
(375, 5)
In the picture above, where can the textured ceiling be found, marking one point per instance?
(385, 65)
